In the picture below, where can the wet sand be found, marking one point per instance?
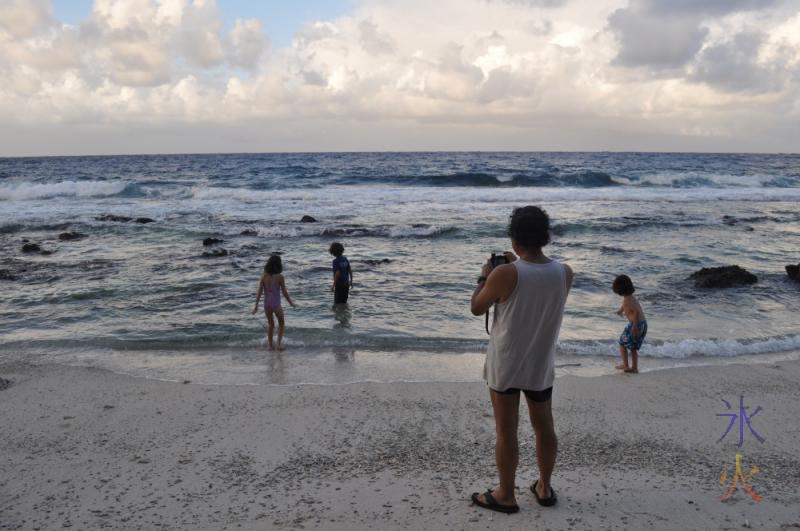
(86, 448)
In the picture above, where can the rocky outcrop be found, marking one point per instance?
(723, 277)
(216, 253)
(144, 220)
(69, 236)
(31, 248)
(308, 219)
(793, 271)
(249, 232)
(211, 241)
(113, 217)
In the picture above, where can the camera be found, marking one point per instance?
(498, 259)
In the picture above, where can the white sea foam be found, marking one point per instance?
(28, 191)
(719, 348)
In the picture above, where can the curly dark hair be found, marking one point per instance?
(336, 249)
(530, 227)
(274, 265)
(623, 285)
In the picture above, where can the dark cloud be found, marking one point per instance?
(667, 34)
(657, 42)
(733, 66)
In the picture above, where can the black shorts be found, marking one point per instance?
(340, 293)
(534, 396)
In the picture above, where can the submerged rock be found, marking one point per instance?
(376, 262)
(249, 232)
(722, 277)
(5, 274)
(216, 253)
(144, 220)
(793, 271)
(113, 217)
(68, 236)
(31, 248)
(308, 219)
(211, 241)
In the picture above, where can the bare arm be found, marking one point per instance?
(497, 287)
(285, 292)
(258, 291)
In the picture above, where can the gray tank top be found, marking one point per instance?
(522, 346)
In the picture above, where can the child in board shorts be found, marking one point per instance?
(636, 330)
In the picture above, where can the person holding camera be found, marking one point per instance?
(529, 294)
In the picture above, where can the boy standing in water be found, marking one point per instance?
(342, 274)
(633, 335)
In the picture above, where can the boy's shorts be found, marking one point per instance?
(629, 341)
(341, 293)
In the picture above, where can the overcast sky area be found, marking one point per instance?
(192, 76)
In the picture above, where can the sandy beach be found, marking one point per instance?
(86, 448)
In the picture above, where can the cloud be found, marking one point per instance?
(534, 74)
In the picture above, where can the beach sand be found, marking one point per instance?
(86, 448)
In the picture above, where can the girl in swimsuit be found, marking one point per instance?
(271, 285)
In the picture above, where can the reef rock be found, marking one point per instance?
(216, 253)
(793, 271)
(31, 248)
(308, 219)
(249, 232)
(211, 241)
(722, 277)
(68, 236)
(113, 217)
(144, 220)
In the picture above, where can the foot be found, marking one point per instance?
(545, 495)
(280, 348)
(492, 500)
(621, 367)
(271, 348)
(632, 370)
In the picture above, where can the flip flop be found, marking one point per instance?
(492, 504)
(544, 502)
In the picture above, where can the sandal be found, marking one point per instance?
(492, 504)
(544, 502)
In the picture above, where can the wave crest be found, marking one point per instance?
(30, 191)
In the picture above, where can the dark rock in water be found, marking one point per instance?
(68, 236)
(307, 219)
(31, 248)
(249, 232)
(5, 384)
(211, 241)
(46, 252)
(722, 277)
(729, 220)
(793, 271)
(5, 274)
(144, 220)
(376, 262)
(216, 253)
(113, 217)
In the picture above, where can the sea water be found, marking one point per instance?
(140, 298)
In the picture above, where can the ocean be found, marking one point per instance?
(140, 298)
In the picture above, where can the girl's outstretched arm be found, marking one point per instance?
(285, 292)
(258, 292)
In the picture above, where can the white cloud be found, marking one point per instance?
(545, 71)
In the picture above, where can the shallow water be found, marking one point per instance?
(140, 298)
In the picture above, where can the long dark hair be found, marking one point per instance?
(274, 265)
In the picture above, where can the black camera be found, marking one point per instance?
(498, 259)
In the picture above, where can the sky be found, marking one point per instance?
(192, 76)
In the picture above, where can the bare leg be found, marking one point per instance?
(270, 329)
(541, 414)
(623, 352)
(281, 327)
(506, 419)
(634, 361)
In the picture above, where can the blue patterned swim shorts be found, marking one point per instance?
(628, 340)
